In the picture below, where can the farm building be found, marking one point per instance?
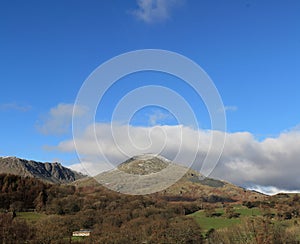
(82, 233)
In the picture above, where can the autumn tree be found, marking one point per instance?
(13, 230)
(230, 212)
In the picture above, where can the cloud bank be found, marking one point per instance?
(273, 162)
(269, 166)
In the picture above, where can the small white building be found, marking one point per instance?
(82, 233)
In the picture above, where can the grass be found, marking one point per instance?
(79, 238)
(246, 211)
(30, 216)
(207, 223)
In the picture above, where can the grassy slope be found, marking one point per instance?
(30, 216)
(207, 223)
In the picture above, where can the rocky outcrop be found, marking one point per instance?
(48, 172)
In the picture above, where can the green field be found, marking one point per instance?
(208, 223)
(30, 216)
(79, 238)
(246, 211)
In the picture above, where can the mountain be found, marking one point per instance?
(144, 164)
(48, 172)
(154, 174)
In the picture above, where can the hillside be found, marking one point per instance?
(149, 174)
(34, 212)
(48, 172)
(193, 210)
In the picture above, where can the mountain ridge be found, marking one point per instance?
(47, 172)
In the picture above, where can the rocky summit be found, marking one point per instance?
(144, 164)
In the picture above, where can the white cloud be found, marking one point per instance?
(151, 11)
(15, 106)
(273, 162)
(270, 190)
(58, 120)
(230, 108)
(89, 168)
(158, 117)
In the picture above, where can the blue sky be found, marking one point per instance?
(250, 49)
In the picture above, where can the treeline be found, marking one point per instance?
(20, 193)
(280, 207)
(113, 217)
(256, 230)
(277, 223)
(118, 218)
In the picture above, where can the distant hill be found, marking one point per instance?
(149, 173)
(48, 172)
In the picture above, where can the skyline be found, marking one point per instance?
(250, 50)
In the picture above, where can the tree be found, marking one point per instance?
(256, 230)
(40, 201)
(296, 198)
(183, 230)
(14, 230)
(51, 230)
(230, 212)
(210, 211)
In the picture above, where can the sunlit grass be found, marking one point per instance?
(207, 223)
(30, 216)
